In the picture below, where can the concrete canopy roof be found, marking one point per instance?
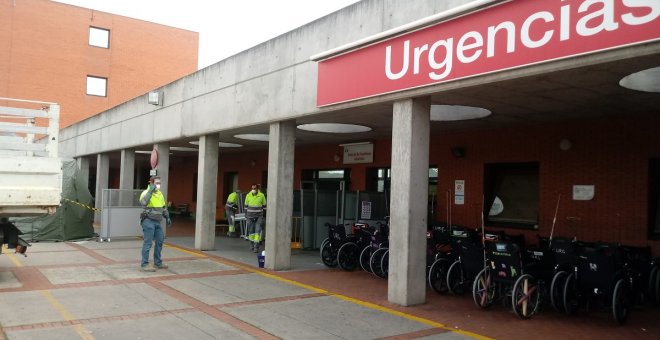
(575, 93)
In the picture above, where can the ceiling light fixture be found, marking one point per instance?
(334, 128)
(221, 144)
(261, 137)
(647, 80)
(181, 148)
(448, 113)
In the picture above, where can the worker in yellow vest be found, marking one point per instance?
(255, 203)
(231, 207)
(155, 210)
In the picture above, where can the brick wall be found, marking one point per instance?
(45, 55)
(610, 153)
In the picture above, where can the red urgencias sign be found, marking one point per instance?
(509, 35)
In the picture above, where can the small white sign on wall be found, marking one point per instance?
(459, 187)
(360, 153)
(583, 192)
(459, 192)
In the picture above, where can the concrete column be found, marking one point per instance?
(280, 195)
(127, 176)
(207, 190)
(410, 162)
(83, 167)
(102, 182)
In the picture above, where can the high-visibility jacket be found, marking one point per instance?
(154, 201)
(254, 204)
(232, 200)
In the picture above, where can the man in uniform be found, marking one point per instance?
(255, 203)
(155, 210)
(230, 209)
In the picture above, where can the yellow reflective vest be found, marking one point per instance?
(254, 204)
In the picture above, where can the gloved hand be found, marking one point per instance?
(168, 221)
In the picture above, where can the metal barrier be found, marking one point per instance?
(120, 215)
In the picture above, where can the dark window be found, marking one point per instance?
(654, 198)
(512, 195)
(378, 179)
(230, 184)
(328, 179)
(194, 191)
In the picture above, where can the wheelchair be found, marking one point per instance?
(439, 257)
(341, 249)
(378, 239)
(379, 262)
(468, 255)
(600, 278)
(654, 282)
(564, 256)
(513, 276)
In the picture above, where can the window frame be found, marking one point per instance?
(89, 40)
(87, 87)
(494, 170)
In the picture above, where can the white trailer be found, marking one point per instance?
(30, 170)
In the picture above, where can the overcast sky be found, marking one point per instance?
(225, 27)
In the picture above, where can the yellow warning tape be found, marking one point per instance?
(80, 204)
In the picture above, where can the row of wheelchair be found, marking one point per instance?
(366, 247)
(564, 273)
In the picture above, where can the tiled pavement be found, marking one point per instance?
(94, 290)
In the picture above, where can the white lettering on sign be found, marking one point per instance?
(536, 31)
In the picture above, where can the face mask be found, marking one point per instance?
(254, 191)
(158, 186)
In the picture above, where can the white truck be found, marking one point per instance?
(30, 170)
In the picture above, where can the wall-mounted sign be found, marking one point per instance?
(365, 212)
(459, 192)
(459, 187)
(583, 192)
(359, 153)
(506, 36)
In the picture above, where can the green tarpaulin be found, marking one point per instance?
(71, 221)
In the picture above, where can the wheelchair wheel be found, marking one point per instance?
(385, 264)
(571, 300)
(657, 286)
(375, 262)
(456, 278)
(483, 289)
(348, 256)
(621, 301)
(654, 276)
(437, 277)
(526, 296)
(557, 291)
(327, 256)
(365, 256)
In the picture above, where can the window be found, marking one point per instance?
(654, 198)
(378, 179)
(512, 194)
(99, 37)
(329, 179)
(230, 185)
(97, 86)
